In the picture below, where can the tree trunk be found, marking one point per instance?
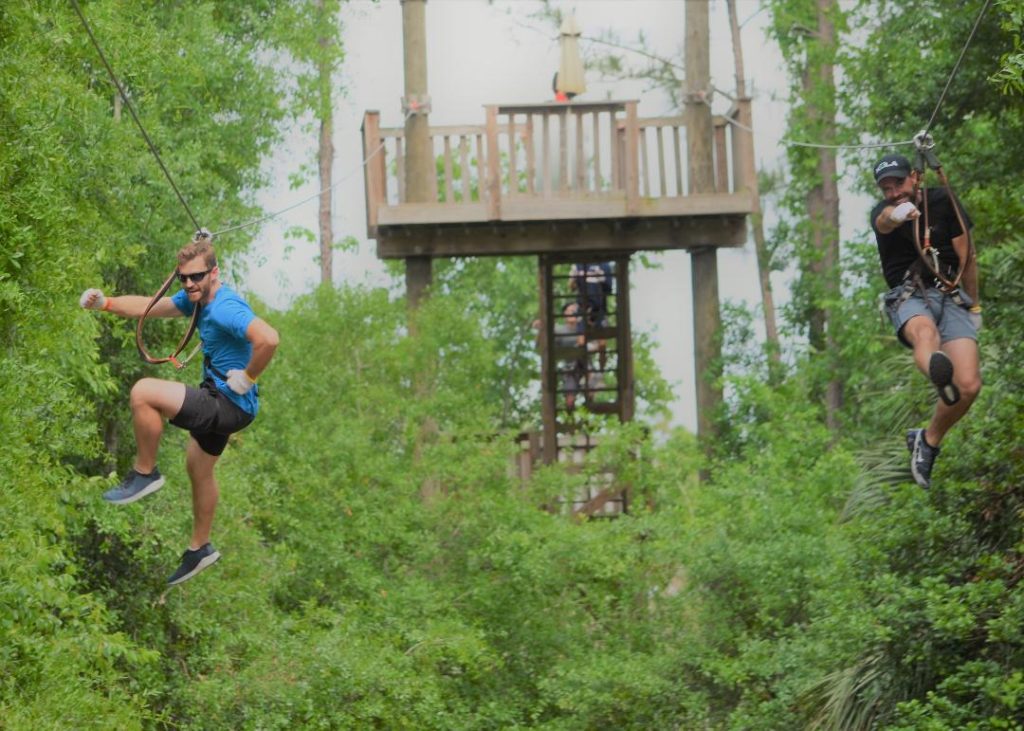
(326, 235)
(746, 118)
(326, 161)
(823, 206)
(707, 317)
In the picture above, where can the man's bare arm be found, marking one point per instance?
(264, 341)
(133, 305)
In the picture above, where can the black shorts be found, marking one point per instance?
(210, 417)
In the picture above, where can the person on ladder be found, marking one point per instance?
(237, 347)
(593, 283)
(939, 324)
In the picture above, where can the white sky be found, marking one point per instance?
(480, 53)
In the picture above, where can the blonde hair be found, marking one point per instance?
(198, 247)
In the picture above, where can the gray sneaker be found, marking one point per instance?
(922, 457)
(192, 562)
(135, 487)
(940, 371)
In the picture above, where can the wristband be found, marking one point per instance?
(251, 378)
(106, 304)
(976, 309)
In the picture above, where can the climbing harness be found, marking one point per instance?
(929, 255)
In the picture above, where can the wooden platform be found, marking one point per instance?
(549, 178)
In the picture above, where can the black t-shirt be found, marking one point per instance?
(896, 249)
(593, 282)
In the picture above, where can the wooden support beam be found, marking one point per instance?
(421, 180)
(552, 237)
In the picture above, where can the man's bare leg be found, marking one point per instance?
(205, 492)
(967, 377)
(152, 401)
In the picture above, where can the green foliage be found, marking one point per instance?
(1010, 76)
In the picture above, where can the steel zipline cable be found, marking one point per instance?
(131, 109)
(194, 320)
(922, 134)
(956, 67)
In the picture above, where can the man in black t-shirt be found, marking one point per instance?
(941, 327)
(593, 283)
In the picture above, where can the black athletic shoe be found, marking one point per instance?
(922, 457)
(940, 371)
(192, 562)
(134, 487)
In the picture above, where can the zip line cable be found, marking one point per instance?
(956, 67)
(131, 108)
(922, 135)
(160, 162)
(363, 163)
(794, 143)
(319, 193)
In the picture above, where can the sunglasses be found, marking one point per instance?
(195, 277)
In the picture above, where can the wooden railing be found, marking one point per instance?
(534, 162)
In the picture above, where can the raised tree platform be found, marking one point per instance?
(551, 178)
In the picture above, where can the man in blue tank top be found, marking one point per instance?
(237, 346)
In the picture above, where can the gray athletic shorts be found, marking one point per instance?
(951, 320)
(210, 417)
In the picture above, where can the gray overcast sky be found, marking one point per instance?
(481, 53)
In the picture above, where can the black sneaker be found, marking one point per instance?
(940, 371)
(192, 562)
(134, 487)
(922, 457)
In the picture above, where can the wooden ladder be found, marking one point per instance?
(595, 375)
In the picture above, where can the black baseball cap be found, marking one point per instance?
(892, 166)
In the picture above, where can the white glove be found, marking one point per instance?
(975, 318)
(902, 212)
(239, 382)
(92, 299)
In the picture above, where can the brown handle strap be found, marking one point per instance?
(173, 357)
(946, 284)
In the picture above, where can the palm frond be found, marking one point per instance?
(881, 467)
(849, 699)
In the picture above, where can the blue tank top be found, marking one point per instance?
(222, 326)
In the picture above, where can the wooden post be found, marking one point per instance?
(563, 150)
(549, 378)
(721, 158)
(449, 189)
(513, 176)
(704, 261)
(624, 341)
(581, 180)
(375, 180)
(420, 177)
(493, 166)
